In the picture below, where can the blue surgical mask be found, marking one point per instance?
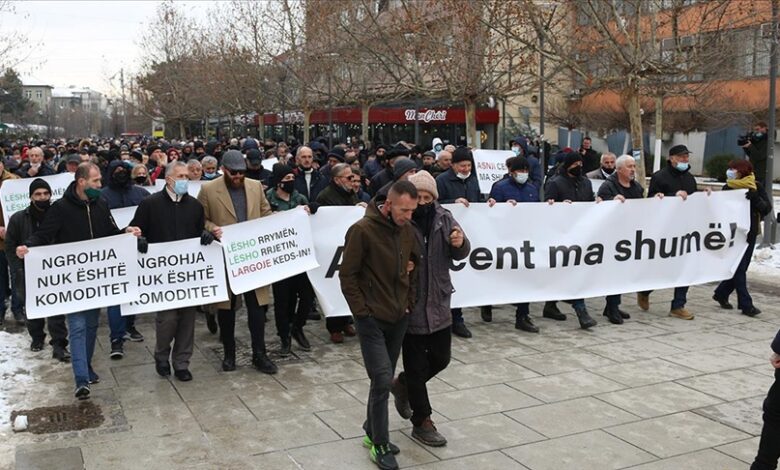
(682, 166)
(521, 178)
(516, 151)
(180, 187)
(731, 174)
(437, 148)
(209, 176)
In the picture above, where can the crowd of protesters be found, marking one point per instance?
(395, 271)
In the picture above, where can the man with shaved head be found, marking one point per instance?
(308, 180)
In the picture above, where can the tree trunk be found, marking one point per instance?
(182, 132)
(472, 139)
(261, 126)
(635, 120)
(364, 109)
(659, 132)
(306, 121)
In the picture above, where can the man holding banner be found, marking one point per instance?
(80, 215)
(230, 200)
(166, 216)
(379, 283)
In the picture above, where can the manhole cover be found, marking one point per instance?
(51, 419)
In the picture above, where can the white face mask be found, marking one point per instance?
(521, 178)
(463, 176)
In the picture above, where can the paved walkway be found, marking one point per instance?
(655, 393)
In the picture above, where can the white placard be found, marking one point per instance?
(123, 215)
(490, 166)
(15, 194)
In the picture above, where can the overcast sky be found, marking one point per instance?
(85, 43)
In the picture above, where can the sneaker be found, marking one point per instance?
(82, 392)
(681, 313)
(401, 398)
(117, 350)
(93, 377)
(486, 313)
(585, 319)
(643, 300)
(751, 311)
(131, 334)
(61, 353)
(383, 457)
(300, 338)
(724, 303)
(36, 345)
(211, 323)
(459, 329)
(368, 443)
(349, 330)
(337, 337)
(428, 435)
(524, 323)
(552, 312)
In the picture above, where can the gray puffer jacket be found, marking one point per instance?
(432, 310)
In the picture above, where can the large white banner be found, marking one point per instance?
(536, 252)
(179, 274)
(15, 194)
(123, 215)
(490, 167)
(72, 277)
(262, 251)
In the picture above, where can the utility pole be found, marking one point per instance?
(770, 223)
(124, 100)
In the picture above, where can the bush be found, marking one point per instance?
(717, 165)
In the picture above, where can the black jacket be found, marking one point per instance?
(71, 219)
(20, 226)
(451, 187)
(316, 184)
(669, 180)
(335, 195)
(611, 187)
(760, 207)
(163, 220)
(563, 187)
(591, 160)
(44, 170)
(757, 152)
(380, 180)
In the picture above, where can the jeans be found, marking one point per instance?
(255, 320)
(738, 282)
(680, 296)
(57, 330)
(424, 357)
(116, 323)
(293, 300)
(769, 446)
(82, 327)
(380, 343)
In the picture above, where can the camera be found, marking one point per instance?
(745, 139)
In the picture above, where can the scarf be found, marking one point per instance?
(746, 182)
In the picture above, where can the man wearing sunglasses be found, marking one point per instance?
(229, 200)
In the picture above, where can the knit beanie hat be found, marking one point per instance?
(402, 165)
(423, 181)
(39, 183)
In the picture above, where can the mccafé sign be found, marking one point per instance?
(427, 116)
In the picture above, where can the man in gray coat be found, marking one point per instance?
(426, 346)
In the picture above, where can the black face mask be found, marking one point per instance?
(288, 186)
(576, 171)
(140, 180)
(42, 206)
(423, 211)
(121, 178)
(608, 171)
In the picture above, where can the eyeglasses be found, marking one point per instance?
(236, 172)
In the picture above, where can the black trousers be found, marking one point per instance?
(57, 329)
(293, 300)
(424, 357)
(769, 446)
(255, 319)
(336, 324)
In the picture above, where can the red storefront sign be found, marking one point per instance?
(392, 116)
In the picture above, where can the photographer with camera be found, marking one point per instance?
(755, 147)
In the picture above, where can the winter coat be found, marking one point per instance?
(316, 184)
(43, 170)
(373, 271)
(563, 187)
(279, 204)
(451, 187)
(161, 219)
(380, 180)
(757, 153)
(669, 180)
(335, 195)
(776, 343)
(20, 226)
(122, 196)
(596, 174)
(434, 286)
(591, 160)
(760, 207)
(611, 187)
(219, 211)
(508, 188)
(71, 219)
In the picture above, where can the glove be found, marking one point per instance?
(750, 195)
(143, 245)
(206, 238)
(313, 206)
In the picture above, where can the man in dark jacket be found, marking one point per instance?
(255, 169)
(673, 180)
(619, 186)
(769, 446)
(379, 283)
(35, 166)
(459, 184)
(386, 175)
(403, 168)
(427, 344)
(21, 225)
(120, 192)
(308, 181)
(520, 148)
(80, 215)
(755, 149)
(569, 185)
(590, 158)
(606, 169)
(166, 216)
(339, 193)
